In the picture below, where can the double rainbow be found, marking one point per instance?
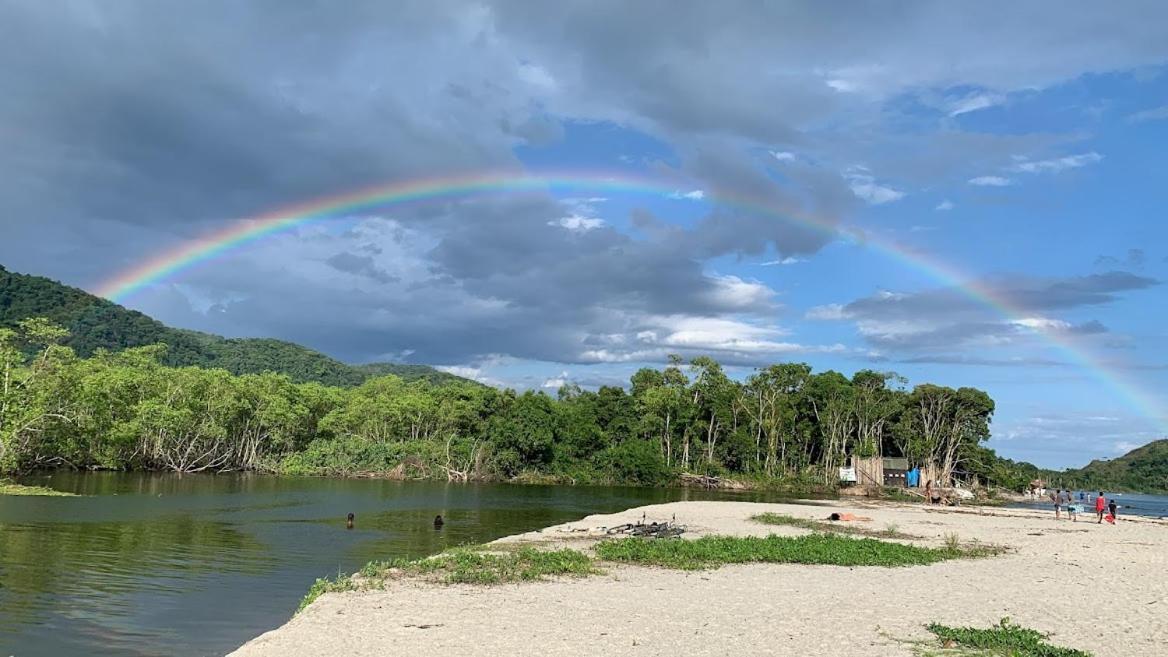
(246, 231)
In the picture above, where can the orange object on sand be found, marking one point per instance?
(1109, 518)
(847, 516)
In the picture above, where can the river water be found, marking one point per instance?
(1130, 504)
(168, 565)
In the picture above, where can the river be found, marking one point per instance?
(168, 565)
(1130, 504)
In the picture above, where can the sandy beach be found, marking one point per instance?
(1094, 587)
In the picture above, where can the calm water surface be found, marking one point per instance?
(149, 564)
(1130, 504)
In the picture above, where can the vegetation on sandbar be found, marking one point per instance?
(11, 488)
(465, 565)
(1002, 640)
(821, 549)
(502, 564)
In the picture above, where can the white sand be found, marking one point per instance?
(1095, 587)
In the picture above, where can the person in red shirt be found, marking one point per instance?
(1100, 506)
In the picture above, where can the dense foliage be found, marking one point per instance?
(94, 323)
(1142, 469)
(129, 410)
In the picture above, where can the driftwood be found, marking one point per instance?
(651, 530)
(409, 462)
(709, 481)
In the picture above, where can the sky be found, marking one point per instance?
(969, 194)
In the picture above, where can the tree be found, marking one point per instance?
(661, 399)
(945, 426)
(523, 433)
(875, 407)
(30, 395)
(832, 400)
(713, 396)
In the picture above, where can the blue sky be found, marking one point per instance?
(1021, 148)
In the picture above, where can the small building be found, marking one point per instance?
(889, 471)
(895, 471)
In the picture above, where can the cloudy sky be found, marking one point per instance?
(968, 194)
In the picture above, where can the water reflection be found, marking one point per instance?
(149, 564)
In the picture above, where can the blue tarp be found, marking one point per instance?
(913, 478)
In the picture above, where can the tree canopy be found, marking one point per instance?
(130, 409)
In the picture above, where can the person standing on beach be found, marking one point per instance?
(1065, 500)
(1112, 507)
(1100, 506)
(1056, 498)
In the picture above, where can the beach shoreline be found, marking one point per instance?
(1094, 587)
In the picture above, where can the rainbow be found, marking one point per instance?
(252, 229)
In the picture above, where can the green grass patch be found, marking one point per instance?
(890, 531)
(10, 488)
(465, 565)
(826, 549)
(471, 566)
(1002, 640)
(325, 585)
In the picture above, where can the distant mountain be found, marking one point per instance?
(1144, 469)
(95, 323)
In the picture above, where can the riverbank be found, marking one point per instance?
(1052, 572)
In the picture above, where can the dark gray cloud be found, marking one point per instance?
(360, 265)
(1020, 294)
(131, 127)
(947, 320)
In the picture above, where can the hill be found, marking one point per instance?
(1144, 469)
(95, 323)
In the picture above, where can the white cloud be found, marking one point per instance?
(732, 340)
(789, 260)
(556, 382)
(578, 223)
(1155, 114)
(866, 188)
(973, 102)
(842, 86)
(1057, 164)
(944, 206)
(537, 76)
(694, 195)
(583, 201)
(783, 156)
(990, 181)
(472, 373)
(1042, 323)
(733, 293)
(831, 311)
(1124, 446)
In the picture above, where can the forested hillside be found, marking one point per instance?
(1144, 469)
(94, 323)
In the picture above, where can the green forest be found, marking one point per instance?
(130, 410)
(94, 323)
